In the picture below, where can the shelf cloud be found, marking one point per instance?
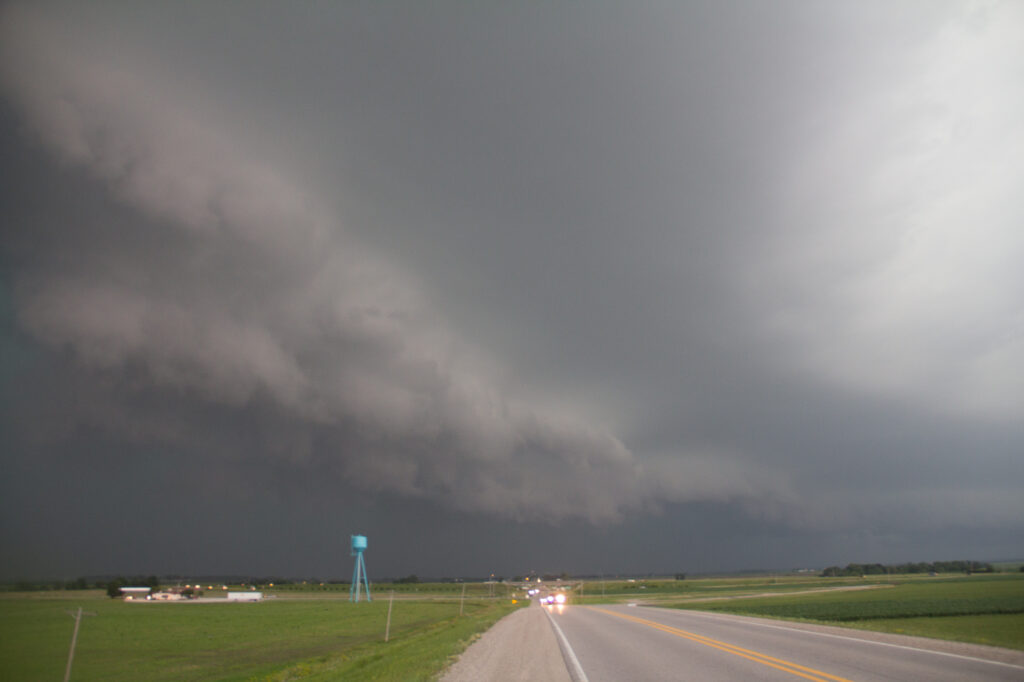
(322, 329)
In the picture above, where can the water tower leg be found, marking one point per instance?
(353, 592)
(366, 578)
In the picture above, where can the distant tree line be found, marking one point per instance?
(921, 567)
(47, 585)
(115, 585)
(408, 580)
(82, 584)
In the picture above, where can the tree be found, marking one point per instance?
(114, 587)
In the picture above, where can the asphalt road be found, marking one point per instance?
(614, 643)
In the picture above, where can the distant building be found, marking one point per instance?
(245, 596)
(133, 593)
(168, 595)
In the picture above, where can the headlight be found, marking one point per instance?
(559, 598)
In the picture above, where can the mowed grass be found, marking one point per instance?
(276, 639)
(981, 609)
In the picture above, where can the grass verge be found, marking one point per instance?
(1005, 630)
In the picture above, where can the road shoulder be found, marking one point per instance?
(521, 647)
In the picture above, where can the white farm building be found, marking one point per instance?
(245, 596)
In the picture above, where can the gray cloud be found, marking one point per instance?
(899, 259)
(592, 266)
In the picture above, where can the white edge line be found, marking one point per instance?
(575, 669)
(748, 619)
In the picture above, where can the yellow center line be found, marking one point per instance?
(763, 659)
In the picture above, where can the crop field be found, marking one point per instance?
(654, 590)
(985, 609)
(277, 639)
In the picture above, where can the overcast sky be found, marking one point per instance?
(593, 287)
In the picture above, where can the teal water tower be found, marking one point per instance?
(359, 572)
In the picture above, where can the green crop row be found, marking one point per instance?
(947, 597)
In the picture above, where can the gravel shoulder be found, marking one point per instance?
(521, 647)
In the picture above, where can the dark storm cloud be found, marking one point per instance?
(331, 336)
(539, 263)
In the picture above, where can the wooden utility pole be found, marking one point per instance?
(462, 600)
(74, 638)
(387, 628)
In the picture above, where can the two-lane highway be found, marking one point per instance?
(614, 643)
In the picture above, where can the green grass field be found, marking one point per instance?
(277, 639)
(985, 609)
